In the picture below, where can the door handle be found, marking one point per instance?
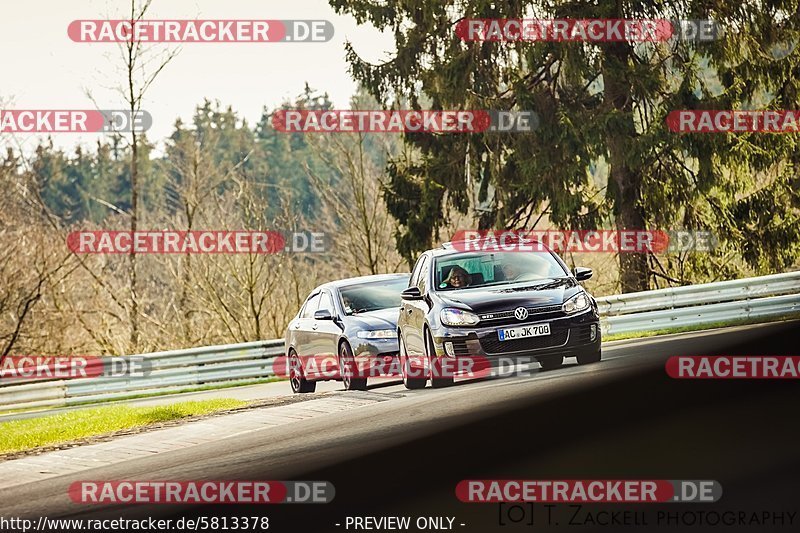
(297, 326)
(314, 327)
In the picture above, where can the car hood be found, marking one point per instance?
(381, 319)
(505, 297)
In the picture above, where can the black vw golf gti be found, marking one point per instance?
(491, 306)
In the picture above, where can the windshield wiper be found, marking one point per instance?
(557, 282)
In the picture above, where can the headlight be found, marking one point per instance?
(377, 334)
(458, 317)
(579, 302)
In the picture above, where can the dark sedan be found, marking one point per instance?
(346, 330)
(492, 306)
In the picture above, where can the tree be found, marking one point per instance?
(141, 66)
(597, 102)
(363, 226)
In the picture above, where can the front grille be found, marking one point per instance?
(492, 344)
(536, 312)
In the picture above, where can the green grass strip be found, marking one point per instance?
(20, 435)
(698, 327)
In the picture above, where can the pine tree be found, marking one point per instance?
(598, 104)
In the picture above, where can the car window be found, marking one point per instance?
(499, 268)
(311, 305)
(326, 302)
(372, 296)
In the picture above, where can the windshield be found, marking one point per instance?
(372, 296)
(501, 268)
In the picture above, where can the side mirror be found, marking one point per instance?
(411, 293)
(323, 314)
(582, 273)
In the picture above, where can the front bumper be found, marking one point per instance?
(376, 358)
(569, 336)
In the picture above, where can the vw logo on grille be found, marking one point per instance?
(521, 313)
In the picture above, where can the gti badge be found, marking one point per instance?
(521, 313)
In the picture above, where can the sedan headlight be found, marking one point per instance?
(377, 334)
(458, 317)
(579, 302)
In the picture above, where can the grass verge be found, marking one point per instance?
(697, 327)
(20, 435)
(134, 396)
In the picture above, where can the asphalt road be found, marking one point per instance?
(622, 418)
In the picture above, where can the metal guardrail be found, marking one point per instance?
(176, 370)
(748, 298)
(170, 371)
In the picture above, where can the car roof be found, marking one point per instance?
(337, 284)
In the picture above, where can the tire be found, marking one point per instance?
(300, 385)
(430, 353)
(551, 362)
(589, 357)
(409, 382)
(347, 369)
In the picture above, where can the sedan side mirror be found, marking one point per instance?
(323, 314)
(411, 293)
(582, 273)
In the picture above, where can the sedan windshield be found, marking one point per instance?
(480, 269)
(372, 296)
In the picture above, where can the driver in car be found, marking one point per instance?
(458, 278)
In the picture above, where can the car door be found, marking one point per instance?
(415, 310)
(325, 335)
(303, 333)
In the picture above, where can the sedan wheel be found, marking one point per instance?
(589, 357)
(296, 378)
(347, 369)
(410, 383)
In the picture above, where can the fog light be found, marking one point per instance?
(448, 349)
(592, 332)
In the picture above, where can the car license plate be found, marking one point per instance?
(523, 332)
